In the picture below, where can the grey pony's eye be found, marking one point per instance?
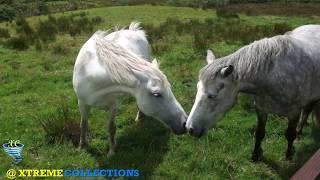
(212, 96)
(156, 94)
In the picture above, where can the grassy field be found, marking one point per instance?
(34, 85)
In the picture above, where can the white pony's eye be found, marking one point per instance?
(212, 96)
(156, 94)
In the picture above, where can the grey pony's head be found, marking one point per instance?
(216, 94)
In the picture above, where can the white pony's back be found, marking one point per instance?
(133, 39)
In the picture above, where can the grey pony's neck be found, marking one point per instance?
(248, 88)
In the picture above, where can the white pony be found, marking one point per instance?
(109, 65)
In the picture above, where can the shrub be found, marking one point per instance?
(43, 7)
(74, 4)
(23, 27)
(249, 12)
(7, 13)
(46, 31)
(223, 13)
(161, 45)
(63, 23)
(83, 14)
(200, 41)
(4, 33)
(60, 125)
(73, 30)
(18, 43)
(83, 24)
(97, 20)
(59, 48)
(20, 20)
(281, 28)
(52, 19)
(153, 32)
(38, 45)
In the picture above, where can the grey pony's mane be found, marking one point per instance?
(122, 64)
(252, 59)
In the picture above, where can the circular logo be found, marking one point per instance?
(11, 174)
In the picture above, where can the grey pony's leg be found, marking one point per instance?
(259, 134)
(291, 135)
(304, 117)
(112, 128)
(84, 111)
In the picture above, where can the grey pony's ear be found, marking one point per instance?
(226, 71)
(155, 63)
(210, 57)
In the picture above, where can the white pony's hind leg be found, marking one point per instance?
(112, 129)
(84, 111)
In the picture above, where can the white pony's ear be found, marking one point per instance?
(141, 76)
(155, 63)
(210, 57)
(226, 71)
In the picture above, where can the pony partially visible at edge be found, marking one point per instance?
(110, 65)
(282, 74)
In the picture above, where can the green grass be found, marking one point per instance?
(35, 83)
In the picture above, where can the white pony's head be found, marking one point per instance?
(148, 84)
(215, 96)
(155, 98)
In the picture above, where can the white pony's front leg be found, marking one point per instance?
(138, 116)
(112, 129)
(84, 111)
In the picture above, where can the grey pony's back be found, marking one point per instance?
(309, 37)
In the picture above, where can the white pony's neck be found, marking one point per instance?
(123, 89)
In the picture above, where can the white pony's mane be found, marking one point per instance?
(122, 64)
(135, 26)
(252, 59)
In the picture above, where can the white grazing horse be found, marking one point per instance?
(111, 65)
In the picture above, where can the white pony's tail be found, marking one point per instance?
(134, 26)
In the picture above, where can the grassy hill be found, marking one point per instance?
(39, 108)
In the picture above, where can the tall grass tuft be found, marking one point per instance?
(4, 33)
(60, 126)
(18, 43)
(60, 48)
